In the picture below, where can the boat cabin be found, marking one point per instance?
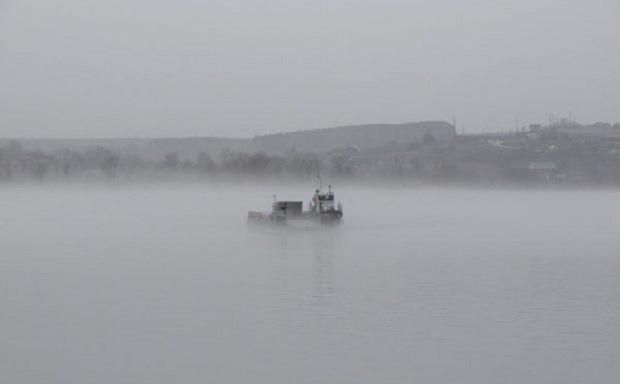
(288, 208)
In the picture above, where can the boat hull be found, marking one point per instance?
(323, 218)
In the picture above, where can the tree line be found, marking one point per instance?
(547, 157)
(99, 162)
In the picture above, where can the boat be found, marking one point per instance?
(322, 209)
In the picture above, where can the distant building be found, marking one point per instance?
(535, 127)
(593, 131)
(544, 170)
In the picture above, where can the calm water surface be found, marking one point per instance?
(170, 285)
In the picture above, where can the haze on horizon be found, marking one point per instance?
(138, 68)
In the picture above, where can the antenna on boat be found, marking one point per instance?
(320, 181)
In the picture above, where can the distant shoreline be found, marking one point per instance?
(425, 153)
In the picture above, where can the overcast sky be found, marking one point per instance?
(139, 68)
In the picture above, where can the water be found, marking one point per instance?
(170, 284)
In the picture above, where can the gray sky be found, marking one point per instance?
(92, 68)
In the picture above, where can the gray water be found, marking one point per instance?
(171, 285)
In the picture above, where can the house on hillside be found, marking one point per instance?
(544, 170)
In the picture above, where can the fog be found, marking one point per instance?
(169, 283)
(167, 171)
(76, 68)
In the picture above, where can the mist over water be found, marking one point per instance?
(165, 284)
(474, 146)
